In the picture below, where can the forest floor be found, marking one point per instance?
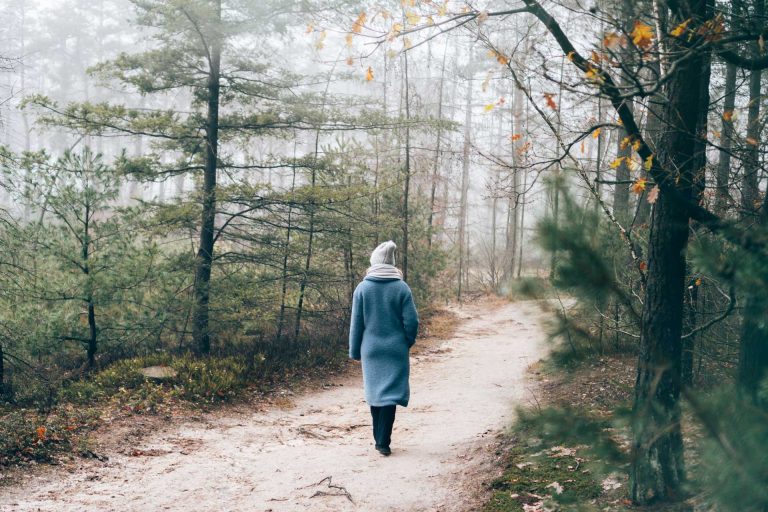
(314, 450)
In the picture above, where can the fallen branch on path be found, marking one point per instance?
(341, 491)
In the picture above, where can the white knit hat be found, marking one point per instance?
(384, 253)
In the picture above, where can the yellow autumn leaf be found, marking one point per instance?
(406, 43)
(625, 142)
(488, 107)
(412, 18)
(596, 133)
(430, 20)
(633, 165)
(369, 74)
(729, 115)
(636, 144)
(678, 30)
(617, 162)
(348, 39)
(570, 55)
(642, 35)
(648, 163)
(320, 43)
(442, 10)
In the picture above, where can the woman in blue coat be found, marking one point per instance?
(382, 331)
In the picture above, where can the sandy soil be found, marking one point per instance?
(318, 454)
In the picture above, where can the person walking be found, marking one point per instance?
(382, 331)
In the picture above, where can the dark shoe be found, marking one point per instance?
(384, 450)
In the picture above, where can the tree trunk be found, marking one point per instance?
(200, 327)
(286, 254)
(464, 185)
(657, 469)
(436, 162)
(2, 372)
(753, 349)
(624, 146)
(406, 168)
(750, 193)
(726, 142)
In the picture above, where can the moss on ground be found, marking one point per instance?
(534, 475)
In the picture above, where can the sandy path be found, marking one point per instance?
(286, 460)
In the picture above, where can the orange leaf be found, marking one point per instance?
(752, 141)
(515, 137)
(612, 40)
(550, 102)
(350, 61)
(643, 266)
(728, 115)
(698, 281)
(357, 26)
(639, 185)
(40, 433)
(596, 133)
(369, 74)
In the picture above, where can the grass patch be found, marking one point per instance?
(28, 436)
(538, 476)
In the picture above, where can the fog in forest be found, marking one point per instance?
(191, 191)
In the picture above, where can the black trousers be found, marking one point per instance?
(383, 419)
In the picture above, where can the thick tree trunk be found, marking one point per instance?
(753, 349)
(200, 325)
(657, 469)
(750, 192)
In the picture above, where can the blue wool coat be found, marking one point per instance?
(382, 331)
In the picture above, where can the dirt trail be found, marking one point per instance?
(318, 455)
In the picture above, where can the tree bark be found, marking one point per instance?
(436, 162)
(722, 194)
(406, 168)
(464, 185)
(200, 327)
(753, 349)
(657, 469)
